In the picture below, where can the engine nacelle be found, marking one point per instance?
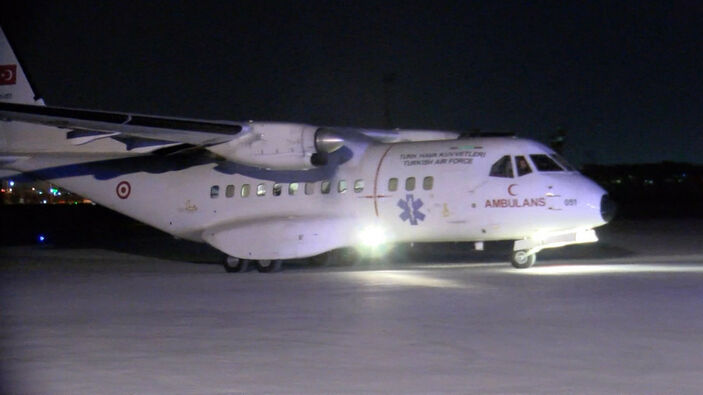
(280, 146)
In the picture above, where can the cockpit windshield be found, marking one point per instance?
(545, 163)
(503, 167)
(560, 160)
(522, 166)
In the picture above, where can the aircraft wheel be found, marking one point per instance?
(521, 260)
(235, 265)
(269, 265)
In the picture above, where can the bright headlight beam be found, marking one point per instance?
(372, 236)
(576, 270)
(406, 279)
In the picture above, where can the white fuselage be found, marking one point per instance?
(409, 192)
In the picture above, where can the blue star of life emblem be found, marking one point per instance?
(411, 209)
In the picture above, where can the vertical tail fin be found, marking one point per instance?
(14, 85)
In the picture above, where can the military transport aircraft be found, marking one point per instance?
(264, 192)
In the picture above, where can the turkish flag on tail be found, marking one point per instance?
(8, 74)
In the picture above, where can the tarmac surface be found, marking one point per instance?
(624, 315)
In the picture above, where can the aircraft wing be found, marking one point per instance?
(99, 124)
(272, 146)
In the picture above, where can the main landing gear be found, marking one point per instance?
(269, 265)
(522, 260)
(239, 265)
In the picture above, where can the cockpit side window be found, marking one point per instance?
(502, 168)
(522, 166)
(545, 163)
(560, 160)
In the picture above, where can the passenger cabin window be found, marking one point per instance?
(229, 192)
(522, 166)
(277, 189)
(214, 191)
(325, 187)
(560, 160)
(309, 188)
(410, 184)
(427, 183)
(245, 190)
(342, 186)
(502, 168)
(261, 190)
(393, 184)
(545, 163)
(292, 188)
(358, 186)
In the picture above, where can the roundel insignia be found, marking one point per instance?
(123, 190)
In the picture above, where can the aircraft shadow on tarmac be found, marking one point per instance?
(94, 227)
(154, 244)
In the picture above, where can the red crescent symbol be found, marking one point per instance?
(510, 190)
(123, 190)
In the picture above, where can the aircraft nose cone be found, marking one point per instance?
(607, 208)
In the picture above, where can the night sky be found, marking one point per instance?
(626, 81)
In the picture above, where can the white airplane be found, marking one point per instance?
(264, 192)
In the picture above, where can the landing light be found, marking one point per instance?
(373, 242)
(41, 238)
(372, 236)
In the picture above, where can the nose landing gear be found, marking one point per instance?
(525, 250)
(522, 260)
